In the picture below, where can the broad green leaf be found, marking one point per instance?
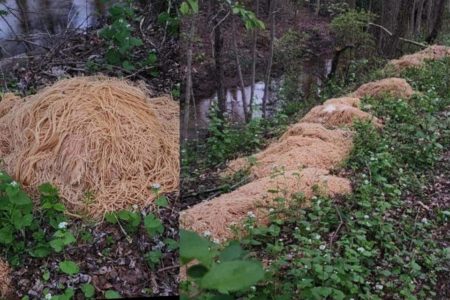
(41, 250)
(232, 252)
(162, 201)
(193, 246)
(197, 271)
(88, 290)
(69, 267)
(6, 235)
(57, 244)
(153, 225)
(184, 8)
(110, 294)
(111, 217)
(232, 276)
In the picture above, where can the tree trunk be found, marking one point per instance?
(401, 27)
(317, 12)
(239, 70)
(437, 25)
(188, 88)
(253, 80)
(352, 4)
(218, 45)
(336, 57)
(270, 60)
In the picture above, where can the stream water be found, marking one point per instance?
(34, 20)
(313, 73)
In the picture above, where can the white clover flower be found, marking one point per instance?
(361, 249)
(271, 210)
(322, 247)
(308, 229)
(156, 186)
(207, 233)
(48, 296)
(366, 181)
(317, 237)
(251, 214)
(379, 287)
(366, 217)
(14, 183)
(62, 225)
(296, 228)
(424, 220)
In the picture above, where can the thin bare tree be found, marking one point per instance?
(270, 59)
(253, 79)
(239, 69)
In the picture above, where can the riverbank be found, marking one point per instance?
(80, 52)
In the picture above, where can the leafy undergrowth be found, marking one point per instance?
(388, 240)
(133, 253)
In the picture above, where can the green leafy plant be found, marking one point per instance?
(88, 290)
(153, 258)
(189, 7)
(22, 230)
(69, 267)
(217, 272)
(376, 243)
(110, 294)
(130, 219)
(121, 41)
(153, 225)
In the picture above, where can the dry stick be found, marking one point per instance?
(269, 64)
(168, 268)
(401, 39)
(335, 233)
(169, 5)
(17, 39)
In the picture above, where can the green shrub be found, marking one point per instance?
(374, 244)
(22, 230)
(219, 272)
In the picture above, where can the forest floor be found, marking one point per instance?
(320, 43)
(107, 259)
